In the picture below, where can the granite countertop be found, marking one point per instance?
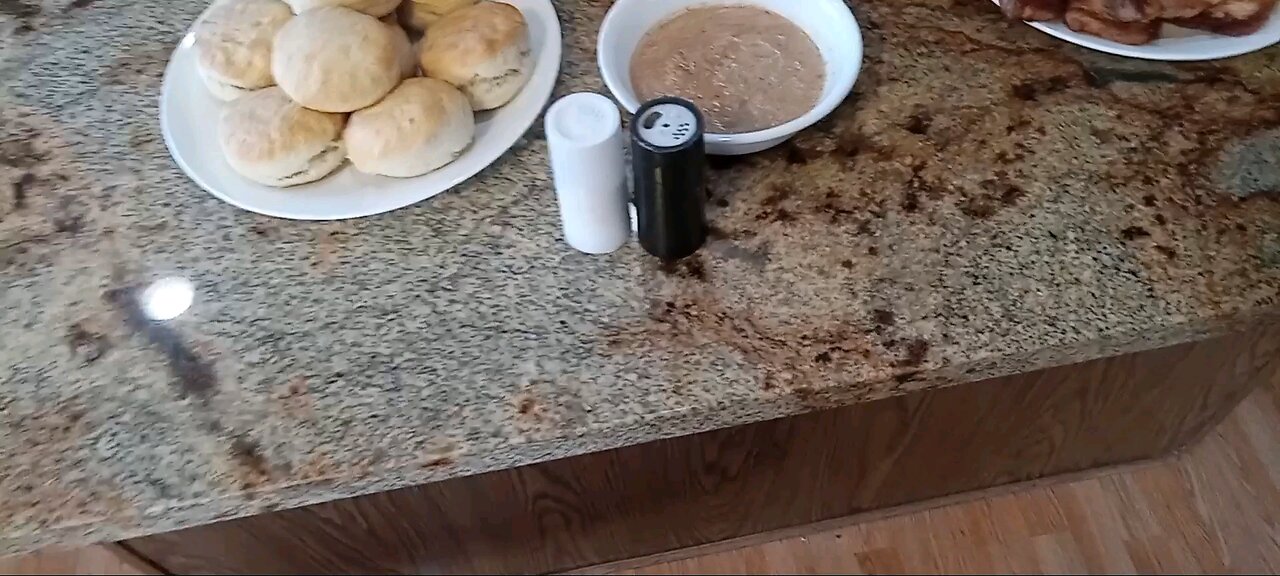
(989, 201)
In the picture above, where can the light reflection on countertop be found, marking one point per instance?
(167, 298)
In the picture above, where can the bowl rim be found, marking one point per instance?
(824, 107)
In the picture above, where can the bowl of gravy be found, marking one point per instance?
(760, 70)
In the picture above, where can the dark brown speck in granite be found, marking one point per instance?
(85, 343)
(254, 469)
(689, 267)
(918, 123)
(882, 318)
(915, 352)
(797, 154)
(19, 190)
(1134, 233)
(988, 201)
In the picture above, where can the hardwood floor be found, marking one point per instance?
(90, 560)
(1215, 508)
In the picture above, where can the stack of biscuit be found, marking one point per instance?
(313, 83)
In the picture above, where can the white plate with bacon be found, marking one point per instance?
(1171, 30)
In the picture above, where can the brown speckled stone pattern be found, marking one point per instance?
(989, 201)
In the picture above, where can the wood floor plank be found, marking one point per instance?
(1099, 552)
(88, 560)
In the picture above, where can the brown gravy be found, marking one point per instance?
(745, 67)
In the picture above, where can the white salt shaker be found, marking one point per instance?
(585, 144)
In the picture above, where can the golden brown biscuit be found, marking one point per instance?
(337, 60)
(483, 50)
(420, 126)
(270, 139)
(233, 45)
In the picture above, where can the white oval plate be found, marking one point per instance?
(188, 120)
(1175, 44)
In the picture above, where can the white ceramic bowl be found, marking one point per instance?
(828, 22)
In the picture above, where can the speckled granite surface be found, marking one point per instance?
(989, 201)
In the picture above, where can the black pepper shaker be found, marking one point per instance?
(668, 167)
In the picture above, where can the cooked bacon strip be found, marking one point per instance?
(1033, 10)
(1138, 22)
(1135, 33)
(1232, 17)
(1182, 8)
(1119, 10)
